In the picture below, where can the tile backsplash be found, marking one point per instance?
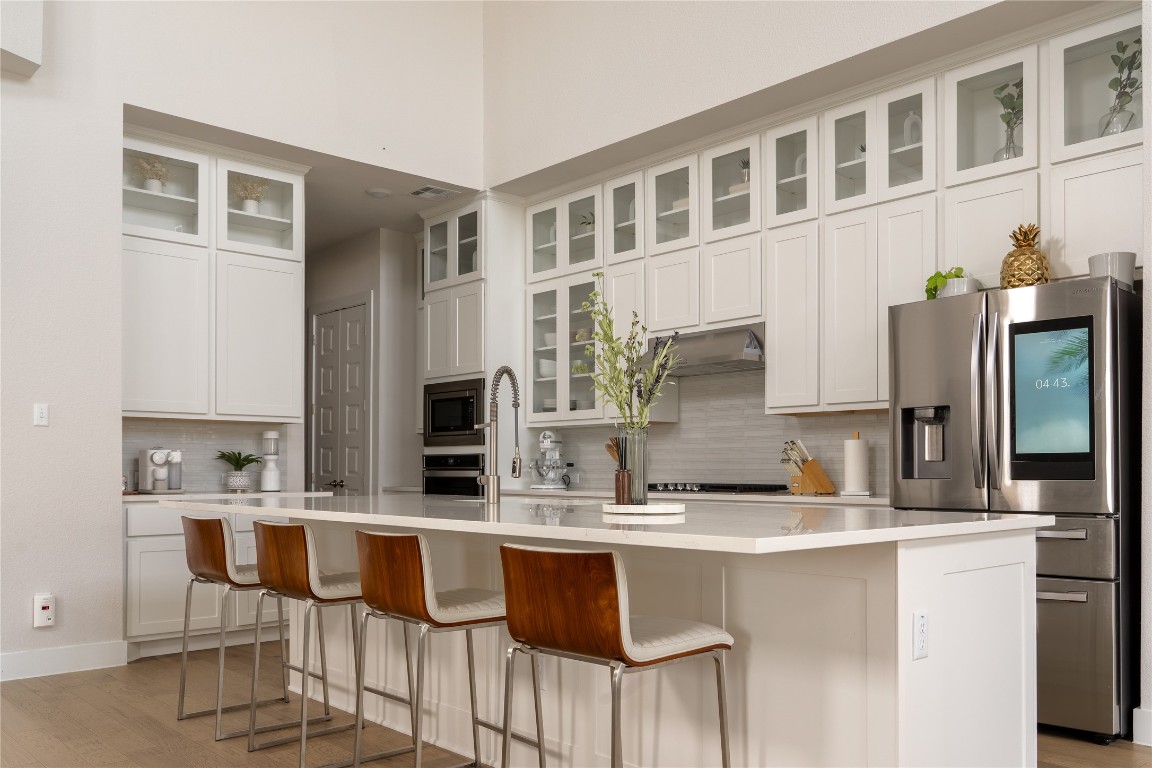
(199, 441)
(724, 436)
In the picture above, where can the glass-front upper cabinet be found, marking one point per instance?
(792, 170)
(165, 192)
(907, 132)
(453, 252)
(849, 175)
(624, 218)
(730, 178)
(259, 210)
(1093, 76)
(560, 335)
(670, 195)
(990, 117)
(563, 235)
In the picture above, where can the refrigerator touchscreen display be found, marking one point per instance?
(1052, 390)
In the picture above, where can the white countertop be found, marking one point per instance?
(715, 526)
(734, 498)
(145, 498)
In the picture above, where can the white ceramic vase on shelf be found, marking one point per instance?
(913, 129)
(153, 185)
(250, 206)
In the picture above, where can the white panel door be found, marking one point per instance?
(157, 577)
(731, 277)
(905, 256)
(259, 336)
(166, 326)
(978, 219)
(342, 399)
(467, 323)
(792, 317)
(849, 308)
(1098, 206)
(674, 291)
(437, 334)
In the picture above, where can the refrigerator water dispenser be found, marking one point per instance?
(922, 454)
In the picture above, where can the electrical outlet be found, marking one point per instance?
(44, 610)
(919, 635)
(40, 415)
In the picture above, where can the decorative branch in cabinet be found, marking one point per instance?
(624, 218)
(978, 219)
(792, 170)
(670, 197)
(730, 176)
(259, 210)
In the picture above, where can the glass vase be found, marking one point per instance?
(634, 458)
(1011, 149)
(1115, 120)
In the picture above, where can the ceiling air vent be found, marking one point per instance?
(433, 193)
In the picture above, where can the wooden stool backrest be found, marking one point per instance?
(205, 549)
(563, 600)
(282, 559)
(392, 576)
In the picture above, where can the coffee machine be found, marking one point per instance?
(550, 468)
(160, 471)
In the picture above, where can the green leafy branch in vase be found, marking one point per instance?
(621, 376)
(1011, 98)
(1126, 84)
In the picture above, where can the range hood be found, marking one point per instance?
(725, 351)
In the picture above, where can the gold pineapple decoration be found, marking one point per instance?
(1025, 264)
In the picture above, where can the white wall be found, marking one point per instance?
(401, 448)
(563, 79)
(340, 78)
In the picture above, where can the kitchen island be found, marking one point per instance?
(819, 599)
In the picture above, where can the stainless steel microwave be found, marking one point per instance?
(450, 412)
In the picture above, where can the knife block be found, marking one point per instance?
(812, 481)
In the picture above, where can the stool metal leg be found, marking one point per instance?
(184, 648)
(360, 675)
(509, 672)
(308, 606)
(323, 655)
(220, 660)
(283, 640)
(256, 669)
(617, 669)
(472, 697)
(418, 694)
(411, 679)
(725, 756)
(539, 710)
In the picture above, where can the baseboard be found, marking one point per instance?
(1142, 726)
(17, 665)
(163, 646)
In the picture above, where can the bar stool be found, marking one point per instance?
(210, 550)
(287, 563)
(396, 574)
(574, 604)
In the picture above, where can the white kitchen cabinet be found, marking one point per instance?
(792, 318)
(166, 327)
(1097, 206)
(560, 332)
(156, 579)
(421, 351)
(906, 140)
(849, 170)
(792, 171)
(730, 177)
(731, 281)
(259, 337)
(975, 134)
(454, 250)
(849, 307)
(671, 206)
(624, 218)
(978, 219)
(273, 224)
(563, 235)
(674, 291)
(174, 208)
(453, 340)
(1081, 65)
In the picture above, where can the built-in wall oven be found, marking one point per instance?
(453, 474)
(450, 410)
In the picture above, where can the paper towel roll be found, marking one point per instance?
(855, 468)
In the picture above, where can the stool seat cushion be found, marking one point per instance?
(338, 586)
(457, 606)
(656, 637)
(245, 575)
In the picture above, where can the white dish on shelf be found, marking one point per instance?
(546, 367)
(550, 339)
(665, 508)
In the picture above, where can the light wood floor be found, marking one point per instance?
(126, 716)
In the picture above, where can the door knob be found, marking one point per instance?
(336, 483)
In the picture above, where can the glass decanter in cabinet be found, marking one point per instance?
(165, 192)
(990, 117)
(670, 196)
(792, 161)
(849, 178)
(1092, 74)
(730, 176)
(259, 210)
(624, 218)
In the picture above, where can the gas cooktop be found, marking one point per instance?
(717, 488)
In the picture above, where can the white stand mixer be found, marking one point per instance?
(550, 468)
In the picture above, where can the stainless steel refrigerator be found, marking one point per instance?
(1028, 400)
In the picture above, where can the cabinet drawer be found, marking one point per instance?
(148, 520)
(1081, 548)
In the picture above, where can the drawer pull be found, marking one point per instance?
(1066, 597)
(1080, 534)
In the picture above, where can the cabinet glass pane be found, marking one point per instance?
(468, 240)
(851, 133)
(730, 197)
(582, 230)
(544, 343)
(905, 140)
(792, 172)
(581, 395)
(544, 240)
(1098, 76)
(623, 204)
(673, 197)
(438, 252)
(986, 130)
(161, 192)
(259, 211)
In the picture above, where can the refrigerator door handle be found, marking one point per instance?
(1080, 534)
(977, 411)
(992, 373)
(1065, 597)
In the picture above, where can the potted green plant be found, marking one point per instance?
(237, 481)
(950, 283)
(1011, 98)
(588, 222)
(745, 169)
(1126, 85)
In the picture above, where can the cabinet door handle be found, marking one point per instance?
(1080, 534)
(1065, 597)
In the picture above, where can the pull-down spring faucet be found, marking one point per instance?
(491, 482)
